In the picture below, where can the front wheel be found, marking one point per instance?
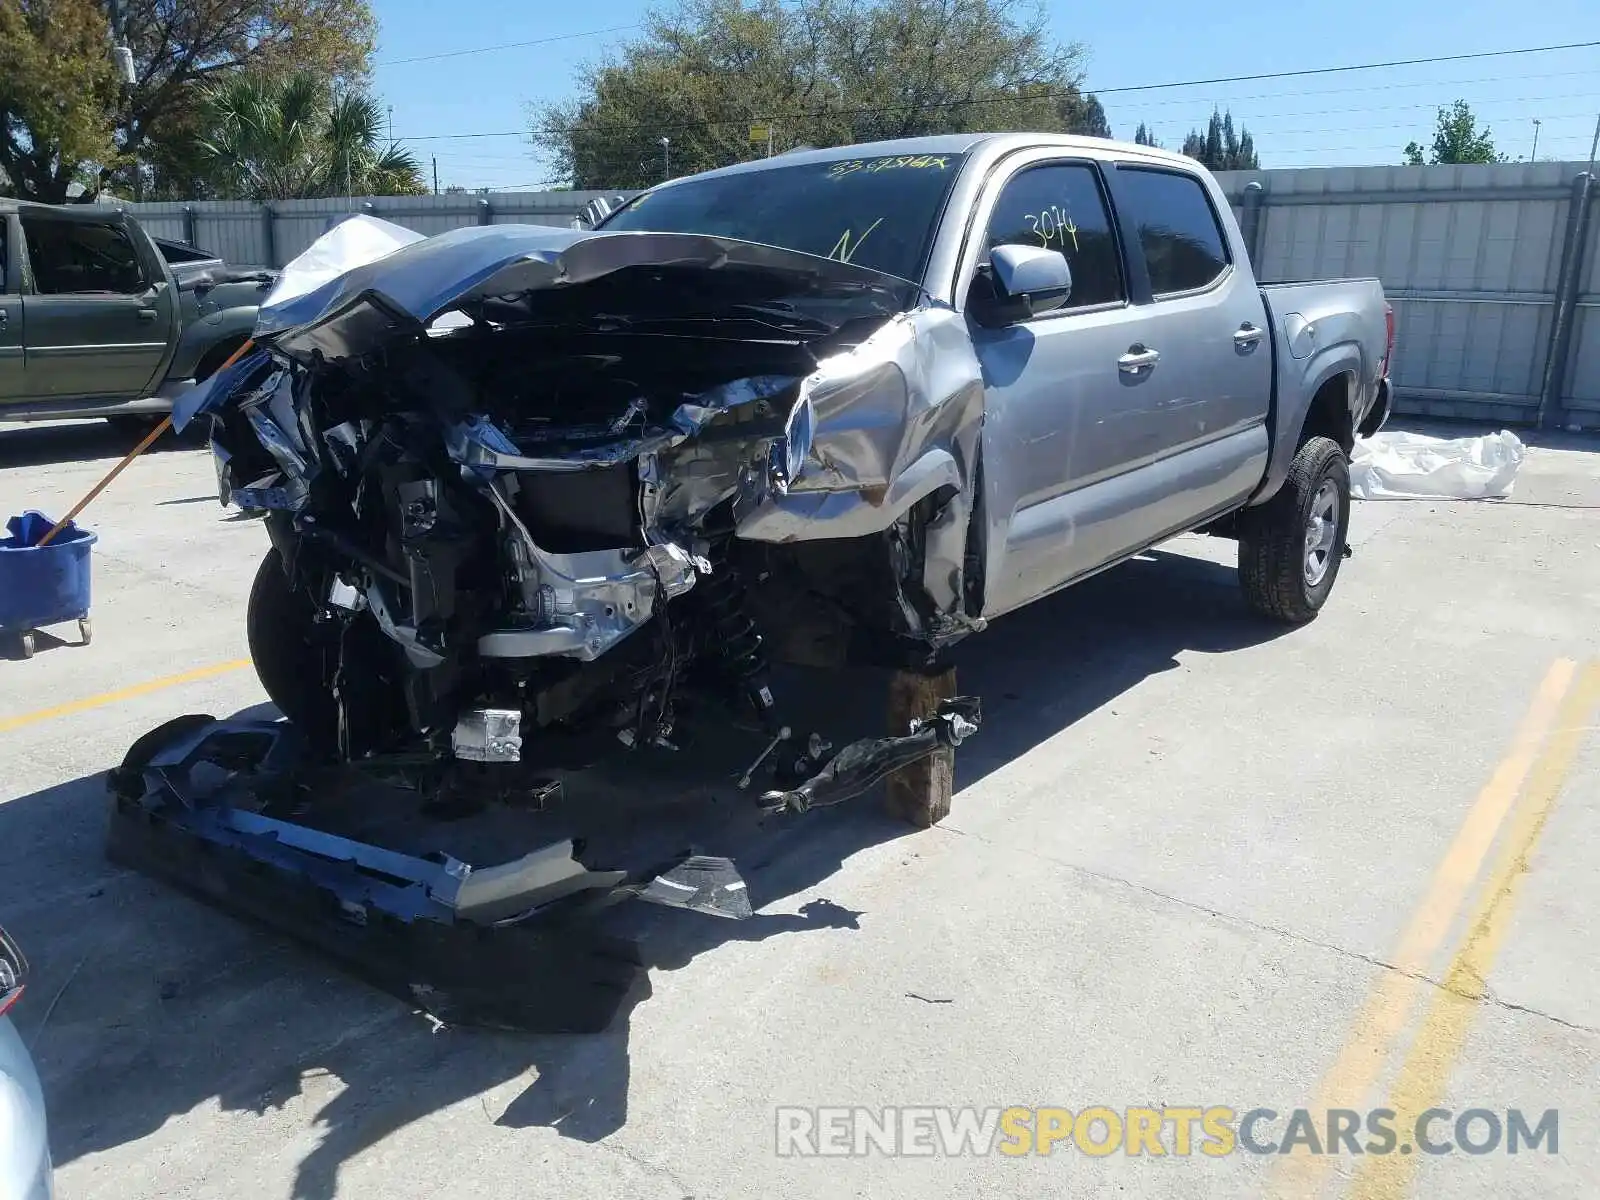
(296, 658)
(1290, 547)
(291, 660)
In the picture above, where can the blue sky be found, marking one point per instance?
(1328, 120)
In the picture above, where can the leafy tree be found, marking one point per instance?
(819, 72)
(289, 137)
(1143, 137)
(181, 45)
(1219, 148)
(64, 116)
(58, 92)
(1456, 139)
(1083, 115)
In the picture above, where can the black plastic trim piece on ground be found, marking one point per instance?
(542, 977)
(551, 972)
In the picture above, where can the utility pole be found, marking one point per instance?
(1533, 155)
(666, 158)
(391, 124)
(1594, 145)
(435, 174)
(339, 94)
(127, 76)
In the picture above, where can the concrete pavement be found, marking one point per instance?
(1194, 861)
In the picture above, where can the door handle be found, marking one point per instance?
(147, 314)
(1248, 335)
(1138, 358)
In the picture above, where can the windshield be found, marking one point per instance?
(874, 212)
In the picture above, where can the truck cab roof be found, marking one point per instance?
(989, 146)
(77, 211)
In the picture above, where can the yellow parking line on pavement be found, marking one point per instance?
(1366, 1049)
(1421, 1082)
(7, 724)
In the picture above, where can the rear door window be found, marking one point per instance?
(1179, 233)
(70, 258)
(1059, 206)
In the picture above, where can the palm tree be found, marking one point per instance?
(290, 137)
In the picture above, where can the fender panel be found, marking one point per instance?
(210, 331)
(1295, 396)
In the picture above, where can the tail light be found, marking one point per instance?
(1388, 339)
(13, 973)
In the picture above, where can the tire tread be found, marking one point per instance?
(1271, 537)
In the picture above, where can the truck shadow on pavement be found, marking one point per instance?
(34, 445)
(146, 1006)
(1043, 667)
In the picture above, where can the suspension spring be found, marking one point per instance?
(738, 640)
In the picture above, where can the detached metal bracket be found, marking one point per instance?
(862, 764)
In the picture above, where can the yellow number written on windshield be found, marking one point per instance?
(871, 166)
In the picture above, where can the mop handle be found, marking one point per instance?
(150, 440)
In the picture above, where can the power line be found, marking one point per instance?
(1277, 159)
(1276, 155)
(1049, 94)
(1277, 124)
(1189, 101)
(1387, 128)
(1487, 113)
(1377, 66)
(1369, 87)
(544, 41)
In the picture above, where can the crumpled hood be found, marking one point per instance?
(401, 293)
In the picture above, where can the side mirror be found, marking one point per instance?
(1041, 278)
(1018, 282)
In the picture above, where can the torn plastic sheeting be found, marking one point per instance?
(353, 242)
(1412, 466)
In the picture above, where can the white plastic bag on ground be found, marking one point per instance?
(1411, 466)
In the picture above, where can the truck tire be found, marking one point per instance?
(1291, 546)
(134, 426)
(281, 631)
(295, 657)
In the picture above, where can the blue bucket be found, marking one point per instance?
(43, 585)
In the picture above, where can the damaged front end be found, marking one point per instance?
(533, 492)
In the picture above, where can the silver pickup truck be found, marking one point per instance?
(835, 407)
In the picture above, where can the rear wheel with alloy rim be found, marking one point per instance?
(1290, 547)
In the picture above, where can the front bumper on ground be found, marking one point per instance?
(203, 804)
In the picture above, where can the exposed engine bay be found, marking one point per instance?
(533, 493)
